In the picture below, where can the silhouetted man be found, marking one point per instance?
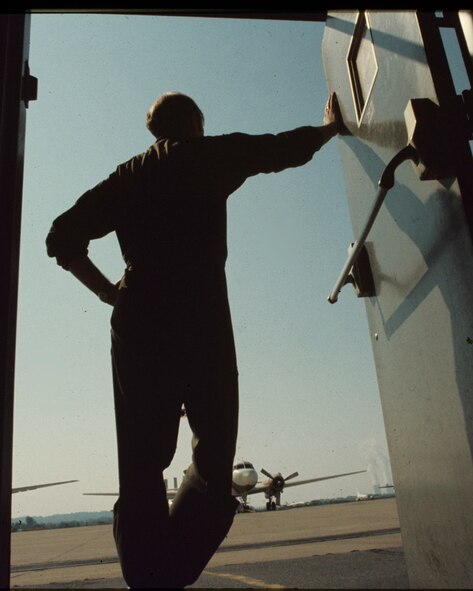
(172, 338)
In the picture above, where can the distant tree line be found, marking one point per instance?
(30, 523)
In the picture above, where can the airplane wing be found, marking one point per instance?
(35, 486)
(101, 494)
(322, 478)
(171, 493)
(262, 487)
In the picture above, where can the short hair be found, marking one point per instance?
(175, 115)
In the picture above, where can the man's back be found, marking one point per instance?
(168, 205)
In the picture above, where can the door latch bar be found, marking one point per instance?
(348, 274)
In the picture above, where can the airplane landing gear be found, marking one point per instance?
(271, 506)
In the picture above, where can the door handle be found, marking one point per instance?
(348, 274)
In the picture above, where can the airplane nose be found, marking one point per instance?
(245, 477)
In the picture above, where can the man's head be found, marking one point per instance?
(176, 116)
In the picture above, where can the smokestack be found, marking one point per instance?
(377, 463)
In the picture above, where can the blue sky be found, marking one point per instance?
(308, 390)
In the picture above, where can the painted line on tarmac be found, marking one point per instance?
(39, 566)
(297, 541)
(246, 580)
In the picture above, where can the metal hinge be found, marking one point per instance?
(29, 88)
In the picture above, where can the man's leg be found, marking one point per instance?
(147, 420)
(203, 510)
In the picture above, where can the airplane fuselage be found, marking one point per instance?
(244, 478)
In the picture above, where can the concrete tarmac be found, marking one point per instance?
(345, 546)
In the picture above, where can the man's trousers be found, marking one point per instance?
(171, 347)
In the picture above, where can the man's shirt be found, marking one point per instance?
(168, 204)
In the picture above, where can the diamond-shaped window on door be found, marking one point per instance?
(362, 64)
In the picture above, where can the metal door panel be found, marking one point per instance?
(421, 319)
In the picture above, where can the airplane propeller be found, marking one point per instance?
(278, 480)
(276, 487)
